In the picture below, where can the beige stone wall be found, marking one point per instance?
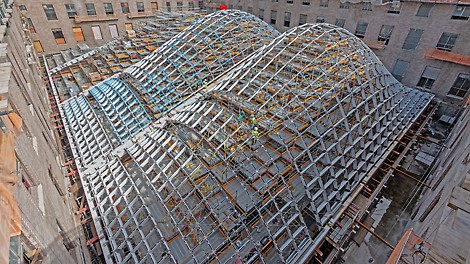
(42, 203)
(44, 27)
(438, 22)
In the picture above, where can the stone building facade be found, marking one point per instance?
(34, 187)
(423, 43)
(58, 25)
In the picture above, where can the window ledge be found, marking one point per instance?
(447, 56)
(454, 96)
(374, 44)
(139, 15)
(83, 19)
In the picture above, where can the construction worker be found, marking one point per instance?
(404, 91)
(255, 134)
(240, 116)
(252, 120)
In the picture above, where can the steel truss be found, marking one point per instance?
(125, 104)
(254, 161)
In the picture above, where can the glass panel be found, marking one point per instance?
(90, 9)
(424, 10)
(302, 19)
(50, 12)
(412, 39)
(399, 69)
(125, 8)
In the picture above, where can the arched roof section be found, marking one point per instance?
(126, 102)
(321, 62)
(123, 110)
(197, 55)
(89, 138)
(325, 111)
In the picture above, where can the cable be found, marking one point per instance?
(435, 229)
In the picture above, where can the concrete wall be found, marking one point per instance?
(438, 22)
(44, 26)
(44, 208)
(443, 215)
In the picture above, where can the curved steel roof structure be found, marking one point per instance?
(127, 103)
(254, 169)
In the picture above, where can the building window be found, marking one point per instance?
(58, 35)
(22, 8)
(287, 19)
(261, 14)
(26, 183)
(412, 39)
(168, 6)
(128, 26)
(461, 85)
(323, 3)
(96, 32)
(275, 1)
(290, 1)
(113, 29)
(125, 8)
(201, 5)
(367, 6)
(15, 249)
(49, 11)
(90, 9)
(340, 22)
(428, 77)
(395, 8)
(71, 10)
(30, 25)
(385, 33)
(191, 5)
(154, 6)
(240, 7)
(424, 10)
(140, 7)
(179, 6)
(344, 5)
(305, 2)
(320, 19)
(302, 19)
(399, 69)
(361, 29)
(38, 46)
(273, 17)
(78, 34)
(447, 41)
(461, 12)
(250, 10)
(108, 9)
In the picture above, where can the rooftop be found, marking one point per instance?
(233, 142)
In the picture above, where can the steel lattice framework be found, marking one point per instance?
(113, 111)
(253, 167)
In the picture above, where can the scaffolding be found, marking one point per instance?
(257, 141)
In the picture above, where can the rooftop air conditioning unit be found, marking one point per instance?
(394, 3)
